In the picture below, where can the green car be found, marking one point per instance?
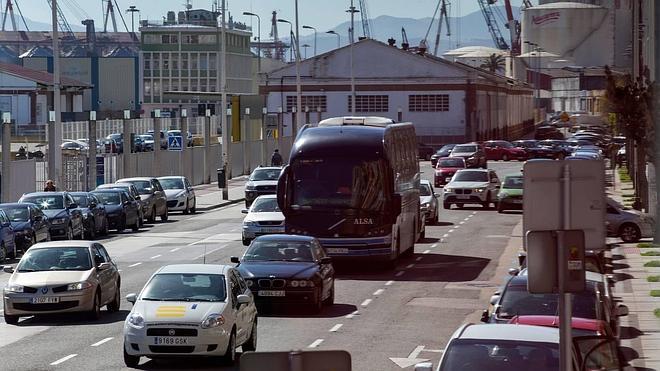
(510, 196)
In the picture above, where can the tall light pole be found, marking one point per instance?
(298, 83)
(258, 38)
(132, 9)
(226, 137)
(312, 28)
(305, 46)
(338, 37)
(55, 128)
(352, 10)
(290, 37)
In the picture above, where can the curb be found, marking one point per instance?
(222, 204)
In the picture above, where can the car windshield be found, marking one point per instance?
(55, 259)
(279, 251)
(500, 355)
(171, 183)
(446, 148)
(185, 287)
(464, 149)
(81, 200)
(451, 162)
(425, 190)
(265, 205)
(517, 301)
(265, 174)
(142, 186)
(348, 183)
(108, 198)
(471, 176)
(46, 202)
(513, 182)
(17, 214)
(526, 144)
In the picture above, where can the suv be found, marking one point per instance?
(263, 181)
(152, 195)
(66, 220)
(472, 153)
(471, 186)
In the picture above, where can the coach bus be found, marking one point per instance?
(353, 182)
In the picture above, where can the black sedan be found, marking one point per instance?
(66, 220)
(29, 223)
(442, 152)
(121, 209)
(94, 217)
(288, 269)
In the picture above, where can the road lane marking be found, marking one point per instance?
(451, 230)
(336, 327)
(426, 251)
(435, 244)
(410, 266)
(155, 256)
(446, 235)
(134, 265)
(365, 302)
(399, 274)
(474, 212)
(457, 226)
(466, 219)
(461, 222)
(175, 249)
(418, 258)
(210, 252)
(351, 315)
(389, 283)
(316, 343)
(378, 292)
(102, 342)
(63, 359)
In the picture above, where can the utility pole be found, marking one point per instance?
(352, 10)
(656, 105)
(55, 126)
(226, 141)
(133, 9)
(298, 83)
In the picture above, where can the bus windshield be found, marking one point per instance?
(340, 183)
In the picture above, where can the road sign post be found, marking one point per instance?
(175, 143)
(6, 157)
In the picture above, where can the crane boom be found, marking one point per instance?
(9, 10)
(445, 17)
(366, 24)
(491, 22)
(514, 28)
(63, 24)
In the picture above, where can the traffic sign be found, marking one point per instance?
(174, 143)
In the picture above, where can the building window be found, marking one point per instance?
(151, 39)
(191, 39)
(194, 61)
(169, 39)
(313, 102)
(207, 39)
(147, 89)
(428, 103)
(203, 61)
(370, 103)
(175, 62)
(184, 61)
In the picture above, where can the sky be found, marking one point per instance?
(321, 14)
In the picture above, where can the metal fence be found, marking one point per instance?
(80, 129)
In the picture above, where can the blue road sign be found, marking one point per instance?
(174, 143)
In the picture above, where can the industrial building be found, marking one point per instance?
(447, 101)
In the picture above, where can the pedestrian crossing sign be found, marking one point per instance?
(174, 143)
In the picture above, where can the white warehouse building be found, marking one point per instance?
(448, 102)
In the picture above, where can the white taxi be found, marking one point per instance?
(191, 310)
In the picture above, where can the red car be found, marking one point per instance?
(503, 150)
(446, 168)
(581, 326)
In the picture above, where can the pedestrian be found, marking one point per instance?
(50, 186)
(276, 158)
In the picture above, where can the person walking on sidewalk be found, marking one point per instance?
(50, 186)
(276, 158)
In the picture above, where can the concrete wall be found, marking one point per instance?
(23, 178)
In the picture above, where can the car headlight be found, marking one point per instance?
(78, 286)
(301, 283)
(479, 190)
(448, 189)
(213, 320)
(180, 194)
(135, 320)
(14, 288)
(426, 204)
(249, 282)
(58, 221)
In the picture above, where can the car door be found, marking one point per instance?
(490, 149)
(326, 271)
(74, 214)
(612, 220)
(240, 311)
(191, 192)
(39, 224)
(103, 277)
(493, 185)
(7, 232)
(159, 197)
(98, 211)
(113, 272)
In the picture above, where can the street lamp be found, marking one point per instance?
(338, 37)
(312, 28)
(290, 37)
(258, 37)
(305, 46)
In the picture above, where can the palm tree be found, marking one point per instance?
(495, 63)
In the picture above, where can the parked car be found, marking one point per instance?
(212, 302)
(93, 212)
(503, 150)
(547, 132)
(121, 209)
(580, 326)
(189, 137)
(472, 153)
(288, 269)
(114, 143)
(152, 195)
(74, 148)
(7, 238)
(147, 142)
(263, 217)
(66, 220)
(510, 196)
(180, 194)
(562, 148)
(445, 151)
(471, 186)
(262, 181)
(446, 168)
(627, 224)
(132, 190)
(162, 140)
(428, 201)
(81, 277)
(425, 151)
(29, 223)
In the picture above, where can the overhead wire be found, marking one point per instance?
(21, 14)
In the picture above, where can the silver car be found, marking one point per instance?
(62, 277)
(263, 217)
(428, 201)
(627, 224)
(180, 194)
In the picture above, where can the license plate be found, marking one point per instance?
(271, 230)
(517, 201)
(272, 293)
(463, 197)
(336, 250)
(166, 340)
(45, 300)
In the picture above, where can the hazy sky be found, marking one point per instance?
(322, 14)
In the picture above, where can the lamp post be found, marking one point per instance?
(352, 10)
(305, 46)
(312, 28)
(338, 38)
(298, 83)
(290, 37)
(258, 38)
(132, 9)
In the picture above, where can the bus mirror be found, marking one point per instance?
(282, 185)
(396, 205)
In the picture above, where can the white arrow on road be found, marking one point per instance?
(411, 360)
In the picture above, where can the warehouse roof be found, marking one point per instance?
(40, 77)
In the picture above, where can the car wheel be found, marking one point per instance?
(560, 156)
(246, 242)
(193, 209)
(422, 236)
(251, 344)
(113, 306)
(129, 360)
(428, 158)
(95, 313)
(3, 252)
(629, 232)
(505, 157)
(186, 210)
(446, 205)
(11, 320)
(106, 228)
(486, 204)
(12, 254)
(230, 354)
(122, 224)
(152, 216)
(500, 207)
(91, 231)
(165, 216)
(69, 232)
(136, 226)
(330, 300)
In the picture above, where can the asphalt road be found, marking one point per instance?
(407, 313)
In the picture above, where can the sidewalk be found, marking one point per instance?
(640, 330)
(209, 196)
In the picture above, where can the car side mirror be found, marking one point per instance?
(8, 269)
(73, 206)
(244, 211)
(92, 205)
(38, 218)
(485, 316)
(436, 195)
(621, 310)
(138, 197)
(234, 259)
(103, 266)
(493, 299)
(131, 298)
(243, 299)
(325, 260)
(513, 271)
